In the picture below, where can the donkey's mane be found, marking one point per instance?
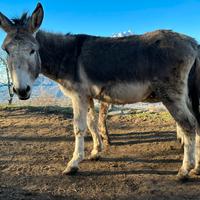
(21, 21)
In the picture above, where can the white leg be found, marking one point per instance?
(92, 125)
(187, 128)
(188, 159)
(186, 122)
(80, 107)
(196, 170)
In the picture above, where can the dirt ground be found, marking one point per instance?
(142, 162)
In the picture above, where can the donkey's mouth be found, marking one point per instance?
(24, 98)
(23, 94)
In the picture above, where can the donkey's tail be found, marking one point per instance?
(194, 90)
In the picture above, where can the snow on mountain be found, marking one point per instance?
(123, 34)
(47, 87)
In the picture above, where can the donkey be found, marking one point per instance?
(114, 70)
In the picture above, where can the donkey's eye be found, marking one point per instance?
(32, 51)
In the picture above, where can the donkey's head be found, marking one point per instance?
(22, 49)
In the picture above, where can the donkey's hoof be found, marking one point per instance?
(195, 172)
(106, 147)
(94, 157)
(70, 171)
(106, 142)
(182, 175)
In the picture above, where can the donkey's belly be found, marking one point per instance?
(124, 93)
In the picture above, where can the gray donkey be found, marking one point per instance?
(114, 70)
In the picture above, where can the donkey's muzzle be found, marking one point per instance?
(23, 94)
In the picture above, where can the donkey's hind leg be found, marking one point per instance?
(186, 121)
(196, 170)
(180, 135)
(80, 108)
(92, 126)
(103, 110)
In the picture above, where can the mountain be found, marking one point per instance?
(47, 87)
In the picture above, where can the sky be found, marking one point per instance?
(106, 17)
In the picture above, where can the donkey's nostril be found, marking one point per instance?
(22, 92)
(28, 88)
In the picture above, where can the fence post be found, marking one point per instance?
(11, 94)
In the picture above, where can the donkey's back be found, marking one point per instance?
(128, 69)
(134, 58)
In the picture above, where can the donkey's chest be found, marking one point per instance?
(123, 93)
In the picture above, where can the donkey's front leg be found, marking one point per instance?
(80, 107)
(180, 135)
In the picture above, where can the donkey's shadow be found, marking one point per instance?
(139, 138)
(142, 137)
(127, 172)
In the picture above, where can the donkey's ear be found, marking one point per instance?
(5, 23)
(36, 18)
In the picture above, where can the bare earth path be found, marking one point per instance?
(36, 143)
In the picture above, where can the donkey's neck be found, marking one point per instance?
(57, 53)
